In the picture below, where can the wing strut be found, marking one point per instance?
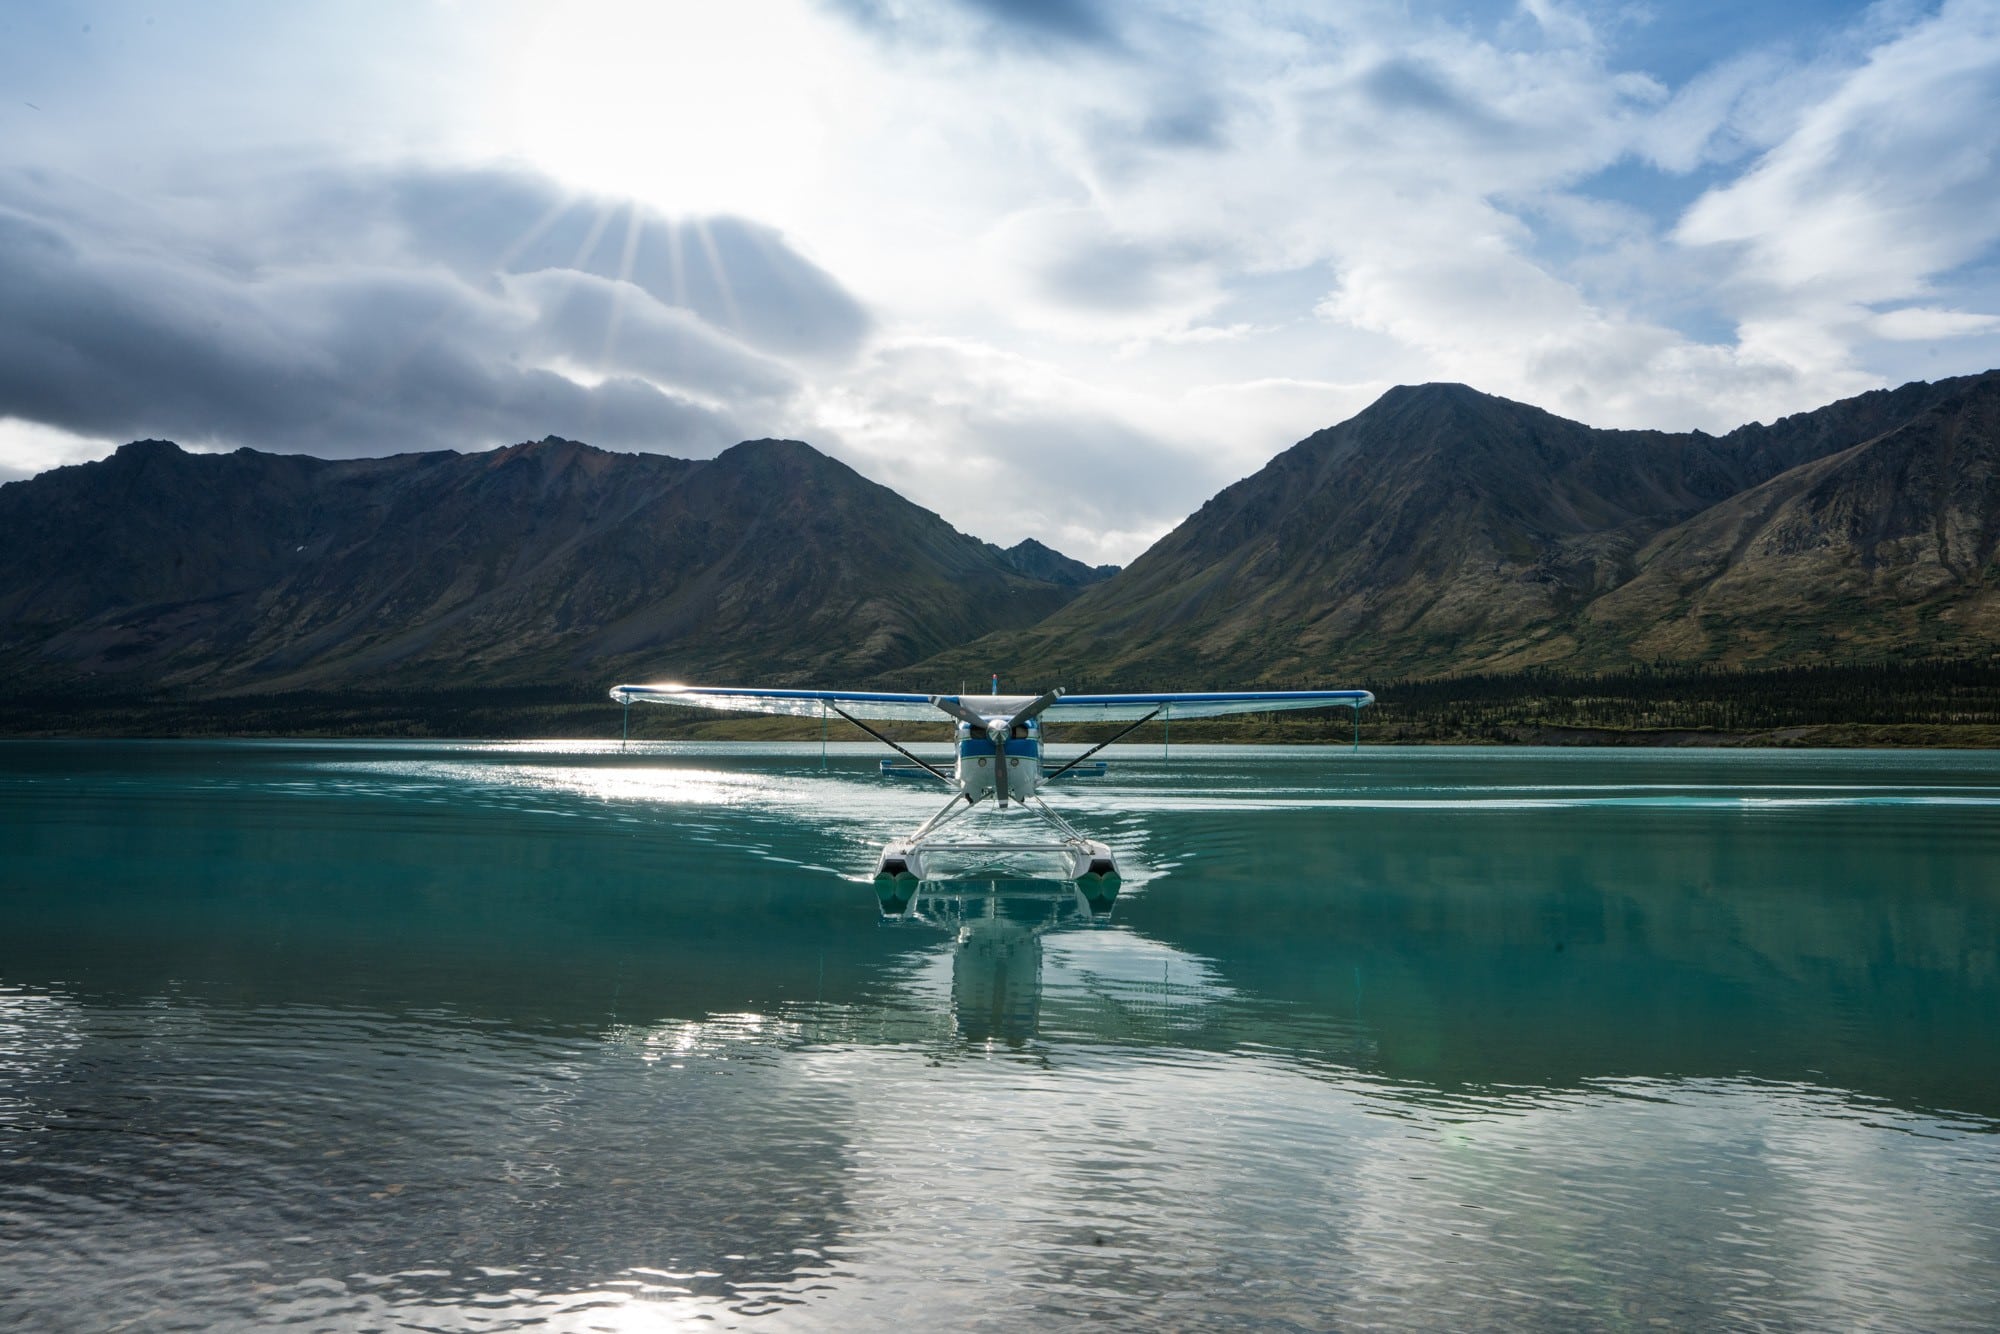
(911, 756)
(1101, 745)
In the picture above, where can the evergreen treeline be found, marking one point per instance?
(1927, 693)
(498, 711)
(1932, 701)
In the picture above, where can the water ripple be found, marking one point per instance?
(561, 1037)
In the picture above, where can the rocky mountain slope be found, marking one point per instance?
(1445, 530)
(1888, 544)
(1439, 531)
(1039, 561)
(549, 561)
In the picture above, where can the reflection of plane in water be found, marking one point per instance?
(997, 930)
(997, 751)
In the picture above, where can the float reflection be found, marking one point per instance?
(997, 928)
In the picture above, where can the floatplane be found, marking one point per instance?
(998, 752)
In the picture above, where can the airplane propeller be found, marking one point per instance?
(996, 731)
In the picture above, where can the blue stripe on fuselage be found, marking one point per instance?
(980, 746)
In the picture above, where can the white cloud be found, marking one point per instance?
(1884, 187)
(1920, 323)
(1008, 448)
(1073, 272)
(1410, 159)
(1711, 116)
(28, 448)
(1158, 242)
(1275, 408)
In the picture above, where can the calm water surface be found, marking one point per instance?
(480, 1037)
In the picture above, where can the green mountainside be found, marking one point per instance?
(1887, 545)
(1446, 531)
(542, 563)
(1560, 575)
(1039, 561)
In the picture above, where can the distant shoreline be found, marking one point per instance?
(1917, 703)
(1830, 736)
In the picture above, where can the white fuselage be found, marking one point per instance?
(977, 758)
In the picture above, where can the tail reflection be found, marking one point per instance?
(996, 968)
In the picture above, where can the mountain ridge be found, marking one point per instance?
(1439, 531)
(544, 560)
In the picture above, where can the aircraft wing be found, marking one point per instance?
(872, 705)
(877, 706)
(1202, 704)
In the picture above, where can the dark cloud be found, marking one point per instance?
(1012, 456)
(1414, 101)
(1406, 85)
(1042, 25)
(1069, 20)
(1075, 258)
(363, 313)
(1193, 119)
(1093, 456)
(1104, 274)
(736, 275)
(618, 328)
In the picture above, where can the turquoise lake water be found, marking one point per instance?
(554, 1036)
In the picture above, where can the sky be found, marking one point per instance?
(1052, 268)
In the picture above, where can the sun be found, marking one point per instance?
(692, 108)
